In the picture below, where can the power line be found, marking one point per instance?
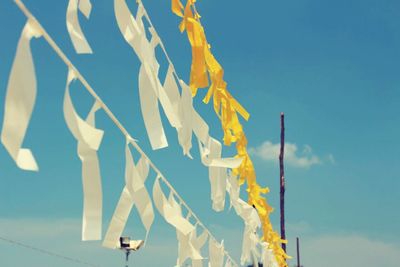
(46, 252)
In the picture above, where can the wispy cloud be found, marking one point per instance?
(300, 158)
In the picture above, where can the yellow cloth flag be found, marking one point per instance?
(205, 69)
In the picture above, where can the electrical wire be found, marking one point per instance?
(46, 252)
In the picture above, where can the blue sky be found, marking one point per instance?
(331, 66)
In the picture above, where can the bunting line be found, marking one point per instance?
(110, 114)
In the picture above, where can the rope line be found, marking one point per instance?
(46, 252)
(111, 115)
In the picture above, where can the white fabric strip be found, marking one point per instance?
(171, 213)
(134, 193)
(232, 187)
(216, 253)
(267, 257)
(211, 157)
(198, 243)
(189, 245)
(89, 139)
(228, 263)
(186, 249)
(140, 195)
(92, 189)
(119, 219)
(186, 114)
(172, 89)
(251, 240)
(250, 250)
(128, 25)
(150, 111)
(80, 129)
(20, 100)
(74, 29)
(249, 215)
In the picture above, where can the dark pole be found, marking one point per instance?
(282, 180)
(127, 252)
(298, 252)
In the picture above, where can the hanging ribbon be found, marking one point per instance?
(211, 157)
(228, 263)
(187, 250)
(251, 219)
(267, 256)
(216, 253)
(186, 112)
(134, 193)
(189, 245)
(171, 213)
(74, 29)
(150, 111)
(20, 100)
(198, 243)
(89, 139)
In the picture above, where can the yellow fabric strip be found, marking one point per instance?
(207, 72)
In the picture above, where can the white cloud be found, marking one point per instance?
(293, 156)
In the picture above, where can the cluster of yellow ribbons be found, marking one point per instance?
(205, 69)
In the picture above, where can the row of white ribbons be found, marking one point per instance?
(177, 106)
(18, 108)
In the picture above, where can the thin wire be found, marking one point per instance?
(46, 252)
(80, 77)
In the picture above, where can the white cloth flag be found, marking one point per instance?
(20, 100)
(228, 263)
(92, 189)
(189, 245)
(183, 106)
(80, 129)
(89, 139)
(74, 29)
(134, 193)
(267, 257)
(171, 213)
(251, 240)
(232, 187)
(150, 111)
(211, 157)
(198, 243)
(250, 250)
(216, 253)
(187, 250)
